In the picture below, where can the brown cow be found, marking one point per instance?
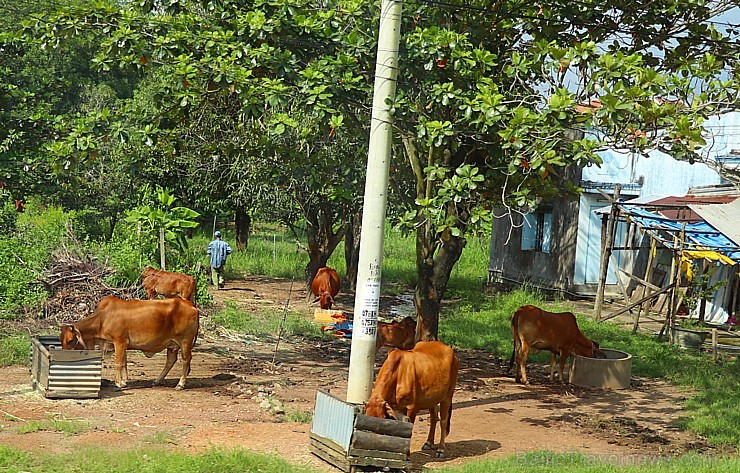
(422, 378)
(396, 334)
(537, 329)
(149, 326)
(325, 286)
(168, 284)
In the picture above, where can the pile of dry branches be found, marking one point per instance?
(76, 282)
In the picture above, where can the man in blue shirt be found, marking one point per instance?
(218, 249)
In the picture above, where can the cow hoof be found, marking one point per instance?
(426, 446)
(179, 387)
(440, 454)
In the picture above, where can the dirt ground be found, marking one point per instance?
(235, 395)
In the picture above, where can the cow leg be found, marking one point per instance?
(171, 359)
(445, 413)
(552, 367)
(187, 355)
(523, 354)
(121, 368)
(433, 418)
(563, 359)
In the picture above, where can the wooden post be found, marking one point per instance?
(714, 345)
(606, 251)
(676, 278)
(161, 248)
(648, 275)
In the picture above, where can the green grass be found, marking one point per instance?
(143, 461)
(67, 426)
(484, 323)
(266, 323)
(297, 415)
(14, 349)
(577, 463)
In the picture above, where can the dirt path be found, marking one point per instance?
(233, 383)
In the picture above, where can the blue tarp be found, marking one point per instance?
(697, 236)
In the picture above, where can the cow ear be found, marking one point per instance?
(79, 337)
(389, 411)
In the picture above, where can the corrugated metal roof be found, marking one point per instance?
(723, 217)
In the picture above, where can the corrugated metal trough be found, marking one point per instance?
(346, 438)
(612, 372)
(64, 374)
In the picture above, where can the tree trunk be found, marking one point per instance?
(243, 224)
(434, 273)
(322, 241)
(352, 250)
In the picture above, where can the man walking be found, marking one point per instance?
(218, 249)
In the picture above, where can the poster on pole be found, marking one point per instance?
(370, 304)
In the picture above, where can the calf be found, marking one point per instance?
(325, 286)
(149, 326)
(536, 329)
(396, 334)
(168, 284)
(422, 378)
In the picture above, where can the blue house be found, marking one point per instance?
(558, 247)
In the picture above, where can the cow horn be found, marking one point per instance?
(80, 340)
(389, 411)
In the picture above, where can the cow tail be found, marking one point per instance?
(514, 320)
(449, 420)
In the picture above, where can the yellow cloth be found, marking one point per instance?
(689, 255)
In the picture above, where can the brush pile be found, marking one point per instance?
(76, 281)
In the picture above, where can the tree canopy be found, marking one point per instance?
(495, 101)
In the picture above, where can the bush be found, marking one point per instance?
(14, 350)
(24, 254)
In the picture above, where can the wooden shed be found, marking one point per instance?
(64, 374)
(352, 441)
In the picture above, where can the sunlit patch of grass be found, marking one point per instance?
(266, 323)
(145, 461)
(297, 415)
(544, 461)
(67, 426)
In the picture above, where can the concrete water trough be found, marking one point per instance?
(612, 372)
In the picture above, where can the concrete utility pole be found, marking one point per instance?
(367, 295)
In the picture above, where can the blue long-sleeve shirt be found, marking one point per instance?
(218, 249)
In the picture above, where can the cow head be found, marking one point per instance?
(325, 300)
(377, 407)
(147, 272)
(71, 337)
(597, 352)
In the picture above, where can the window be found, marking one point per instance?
(537, 232)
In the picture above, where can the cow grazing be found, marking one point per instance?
(396, 334)
(325, 286)
(535, 329)
(422, 378)
(168, 284)
(149, 326)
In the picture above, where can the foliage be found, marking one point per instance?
(14, 349)
(173, 220)
(23, 255)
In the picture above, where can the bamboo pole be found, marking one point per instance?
(648, 275)
(606, 251)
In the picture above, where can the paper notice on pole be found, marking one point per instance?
(367, 324)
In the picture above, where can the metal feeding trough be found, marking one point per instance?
(349, 440)
(613, 372)
(64, 374)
